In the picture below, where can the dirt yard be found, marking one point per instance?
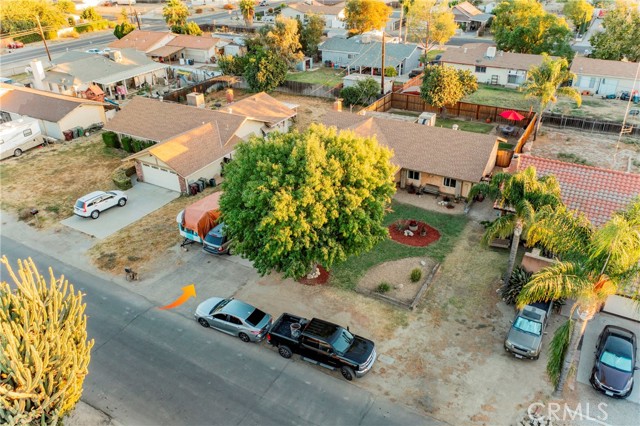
(445, 359)
(594, 149)
(397, 275)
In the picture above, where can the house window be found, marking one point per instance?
(592, 83)
(481, 69)
(412, 174)
(512, 79)
(350, 56)
(449, 182)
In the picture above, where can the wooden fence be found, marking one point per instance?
(179, 95)
(301, 88)
(587, 124)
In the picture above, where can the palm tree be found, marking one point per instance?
(247, 8)
(544, 81)
(521, 195)
(594, 264)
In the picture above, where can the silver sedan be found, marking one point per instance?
(234, 317)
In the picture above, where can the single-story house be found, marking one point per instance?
(143, 41)
(364, 55)
(597, 193)
(273, 114)
(115, 74)
(603, 77)
(451, 160)
(470, 18)
(333, 14)
(491, 66)
(55, 113)
(200, 49)
(161, 122)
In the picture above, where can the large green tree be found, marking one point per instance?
(523, 26)
(44, 352)
(248, 10)
(311, 34)
(362, 93)
(123, 29)
(282, 38)
(544, 84)
(429, 24)
(579, 12)
(521, 195)
(90, 14)
(296, 200)
(175, 13)
(263, 70)
(445, 85)
(19, 15)
(593, 263)
(620, 39)
(189, 28)
(366, 15)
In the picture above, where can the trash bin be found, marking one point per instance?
(212, 182)
(193, 188)
(80, 131)
(68, 135)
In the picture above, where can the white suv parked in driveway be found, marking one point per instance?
(91, 205)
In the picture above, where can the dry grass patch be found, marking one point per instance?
(51, 179)
(145, 240)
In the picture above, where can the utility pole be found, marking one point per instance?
(134, 13)
(401, 18)
(43, 39)
(382, 70)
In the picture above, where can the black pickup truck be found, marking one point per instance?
(323, 343)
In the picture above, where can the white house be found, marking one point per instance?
(489, 65)
(200, 49)
(333, 15)
(602, 77)
(55, 113)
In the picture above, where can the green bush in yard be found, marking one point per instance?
(416, 274)
(120, 178)
(110, 139)
(383, 288)
(126, 142)
(138, 145)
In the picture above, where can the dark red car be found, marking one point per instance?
(615, 362)
(15, 45)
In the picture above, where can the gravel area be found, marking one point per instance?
(397, 275)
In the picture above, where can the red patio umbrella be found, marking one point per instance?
(511, 115)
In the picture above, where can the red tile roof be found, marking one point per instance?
(594, 191)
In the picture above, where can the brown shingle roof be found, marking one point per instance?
(261, 107)
(193, 150)
(39, 104)
(139, 40)
(436, 150)
(604, 68)
(594, 191)
(318, 8)
(474, 54)
(154, 120)
(467, 9)
(194, 42)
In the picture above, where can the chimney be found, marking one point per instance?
(337, 104)
(38, 74)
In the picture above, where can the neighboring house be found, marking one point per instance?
(491, 66)
(273, 114)
(352, 80)
(200, 49)
(115, 74)
(451, 160)
(602, 77)
(55, 113)
(470, 18)
(597, 193)
(333, 15)
(143, 41)
(163, 122)
(364, 55)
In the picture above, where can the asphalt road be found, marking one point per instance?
(153, 367)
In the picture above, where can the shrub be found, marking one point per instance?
(120, 178)
(138, 145)
(416, 274)
(509, 292)
(350, 96)
(228, 6)
(110, 139)
(126, 143)
(84, 28)
(199, 10)
(51, 35)
(383, 288)
(30, 38)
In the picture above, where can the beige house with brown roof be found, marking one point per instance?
(333, 14)
(198, 48)
(143, 41)
(450, 160)
(261, 107)
(603, 77)
(491, 66)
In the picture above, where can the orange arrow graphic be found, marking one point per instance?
(187, 292)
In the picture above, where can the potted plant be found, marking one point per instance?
(413, 225)
(423, 231)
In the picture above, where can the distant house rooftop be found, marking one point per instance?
(476, 54)
(140, 40)
(318, 8)
(466, 12)
(369, 52)
(604, 68)
(597, 192)
(194, 42)
(262, 107)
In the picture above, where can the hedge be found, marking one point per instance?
(121, 180)
(110, 139)
(126, 143)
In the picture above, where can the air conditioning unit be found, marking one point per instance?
(196, 100)
(115, 55)
(427, 119)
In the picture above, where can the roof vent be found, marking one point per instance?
(465, 50)
(366, 39)
(491, 52)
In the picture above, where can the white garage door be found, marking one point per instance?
(161, 177)
(622, 306)
(608, 86)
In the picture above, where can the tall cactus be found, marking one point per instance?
(44, 352)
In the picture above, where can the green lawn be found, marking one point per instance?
(431, 55)
(324, 75)
(500, 97)
(346, 275)
(467, 126)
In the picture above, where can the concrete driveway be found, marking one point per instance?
(143, 199)
(591, 334)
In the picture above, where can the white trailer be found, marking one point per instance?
(18, 136)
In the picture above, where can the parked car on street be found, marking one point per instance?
(91, 205)
(234, 317)
(525, 335)
(323, 343)
(615, 362)
(217, 242)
